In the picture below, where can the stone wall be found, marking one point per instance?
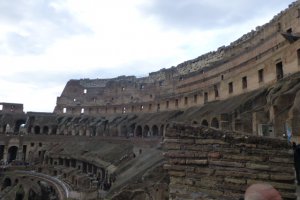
(210, 164)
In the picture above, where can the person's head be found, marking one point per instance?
(262, 191)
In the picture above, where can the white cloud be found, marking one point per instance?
(50, 42)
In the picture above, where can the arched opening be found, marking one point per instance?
(45, 130)
(161, 132)
(93, 130)
(204, 123)
(215, 123)
(37, 130)
(1, 152)
(20, 193)
(155, 131)
(146, 132)
(12, 153)
(4, 128)
(123, 131)
(131, 130)
(18, 125)
(29, 129)
(32, 195)
(6, 183)
(54, 130)
(138, 131)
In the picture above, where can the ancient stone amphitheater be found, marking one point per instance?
(205, 129)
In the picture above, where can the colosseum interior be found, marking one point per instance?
(205, 129)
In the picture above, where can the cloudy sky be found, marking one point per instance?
(44, 43)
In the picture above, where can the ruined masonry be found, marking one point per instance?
(204, 129)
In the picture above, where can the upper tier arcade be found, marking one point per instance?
(257, 59)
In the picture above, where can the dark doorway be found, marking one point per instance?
(146, 132)
(215, 123)
(138, 131)
(37, 130)
(1, 151)
(6, 183)
(154, 130)
(20, 193)
(204, 123)
(279, 71)
(45, 130)
(12, 153)
(18, 125)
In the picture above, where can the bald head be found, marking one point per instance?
(262, 191)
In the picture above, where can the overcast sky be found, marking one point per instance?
(44, 43)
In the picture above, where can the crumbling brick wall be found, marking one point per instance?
(210, 164)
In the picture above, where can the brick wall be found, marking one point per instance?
(210, 164)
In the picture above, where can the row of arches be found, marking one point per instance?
(214, 123)
(148, 131)
(132, 130)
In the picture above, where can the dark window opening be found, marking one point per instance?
(176, 103)
(290, 30)
(279, 71)
(167, 104)
(260, 75)
(222, 77)
(195, 98)
(244, 82)
(115, 109)
(158, 107)
(185, 100)
(150, 106)
(205, 97)
(216, 91)
(230, 87)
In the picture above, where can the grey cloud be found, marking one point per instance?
(41, 23)
(208, 14)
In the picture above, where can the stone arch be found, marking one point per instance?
(204, 123)
(146, 131)
(29, 129)
(1, 152)
(12, 153)
(32, 194)
(46, 130)
(161, 131)
(18, 124)
(6, 183)
(131, 130)
(123, 131)
(20, 193)
(92, 131)
(53, 130)
(214, 123)
(4, 128)
(139, 131)
(155, 131)
(37, 130)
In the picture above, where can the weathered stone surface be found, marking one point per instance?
(226, 163)
(226, 174)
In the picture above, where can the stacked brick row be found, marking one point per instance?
(209, 164)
